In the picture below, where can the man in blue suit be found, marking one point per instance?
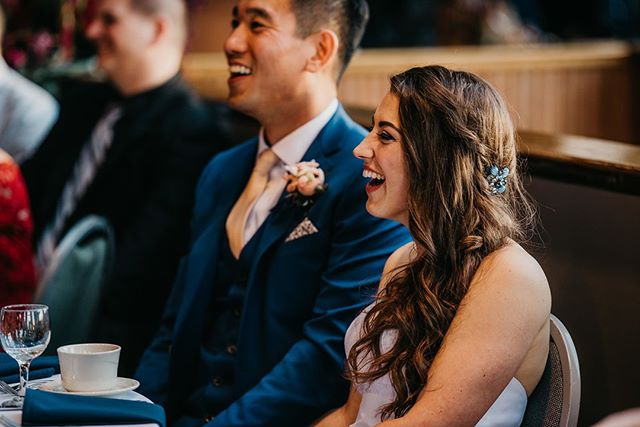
(253, 332)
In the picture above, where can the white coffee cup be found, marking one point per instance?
(89, 367)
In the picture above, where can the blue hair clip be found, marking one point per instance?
(497, 179)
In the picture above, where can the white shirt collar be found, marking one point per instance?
(292, 147)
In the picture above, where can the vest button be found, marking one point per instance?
(237, 312)
(232, 349)
(217, 381)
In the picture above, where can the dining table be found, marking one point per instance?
(12, 417)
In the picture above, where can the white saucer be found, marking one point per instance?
(122, 385)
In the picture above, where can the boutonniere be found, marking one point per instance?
(305, 181)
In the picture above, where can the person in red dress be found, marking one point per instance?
(17, 271)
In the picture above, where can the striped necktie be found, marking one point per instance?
(91, 157)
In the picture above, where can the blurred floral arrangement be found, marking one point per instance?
(45, 39)
(45, 34)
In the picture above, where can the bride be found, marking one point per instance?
(459, 332)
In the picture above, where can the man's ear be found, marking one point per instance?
(326, 49)
(160, 28)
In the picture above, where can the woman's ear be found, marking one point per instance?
(326, 50)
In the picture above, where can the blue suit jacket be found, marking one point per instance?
(301, 295)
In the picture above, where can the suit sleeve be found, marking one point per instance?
(308, 380)
(153, 369)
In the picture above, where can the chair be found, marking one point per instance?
(72, 282)
(556, 400)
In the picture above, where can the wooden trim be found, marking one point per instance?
(588, 152)
(506, 57)
(573, 55)
(573, 173)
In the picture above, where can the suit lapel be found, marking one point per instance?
(282, 220)
(202, 267)
(285, 215)
(234, 181)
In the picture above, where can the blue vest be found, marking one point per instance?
(216, 364)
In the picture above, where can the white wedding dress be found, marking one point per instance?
(506, 411)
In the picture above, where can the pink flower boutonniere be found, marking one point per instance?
(305, 181)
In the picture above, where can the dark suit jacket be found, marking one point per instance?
(301, 295)
(144, 188)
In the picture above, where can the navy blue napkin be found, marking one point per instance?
(45, 408)
(41, 367)
(34, 374)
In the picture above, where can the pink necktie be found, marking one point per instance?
(238, 216)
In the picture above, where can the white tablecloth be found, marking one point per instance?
(15, 415)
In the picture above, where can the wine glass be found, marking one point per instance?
(24, 334)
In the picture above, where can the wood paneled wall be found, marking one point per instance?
(210, 23)
(582, 88)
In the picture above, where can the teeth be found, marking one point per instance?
(372, 175)
(239, 69)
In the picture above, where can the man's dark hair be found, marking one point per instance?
(348, 18)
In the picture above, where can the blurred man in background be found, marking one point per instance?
(129, 150)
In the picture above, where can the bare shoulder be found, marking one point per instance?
(513, 262)
(396, 261)
(512, 273)
(4, 157)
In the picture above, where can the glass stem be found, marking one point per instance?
(24, 377)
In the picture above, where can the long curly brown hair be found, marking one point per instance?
(454, 127)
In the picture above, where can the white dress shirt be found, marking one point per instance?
(290, 151)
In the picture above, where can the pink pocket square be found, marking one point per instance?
(305, 228)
